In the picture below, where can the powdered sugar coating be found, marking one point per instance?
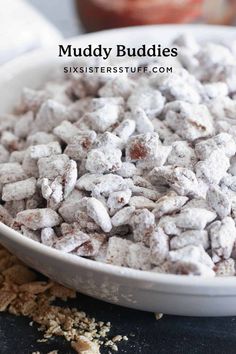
(19, 190)
(36, 219)
(223, 236)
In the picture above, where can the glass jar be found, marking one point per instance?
(102, 14)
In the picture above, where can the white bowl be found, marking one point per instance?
(170, 294)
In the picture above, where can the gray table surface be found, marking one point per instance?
(172, 334)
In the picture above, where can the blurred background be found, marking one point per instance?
(97, 14)
(29, 24)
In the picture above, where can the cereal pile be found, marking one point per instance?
(136, 171)
(21, 293)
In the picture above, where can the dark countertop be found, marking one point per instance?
(171, 334)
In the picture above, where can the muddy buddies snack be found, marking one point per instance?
(131, 170)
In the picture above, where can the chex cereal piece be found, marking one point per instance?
(169, 204)
(109, 183)
(6, 297)
(70, 206)
(62, 292)
(159, 159)
(23, 125)
(35, 287)
(36, 219)
(219, 201)
(148, 193)
(214, 168)
(117, 251)
(4, 154)
(140, 202)
(92, 247)
(216, 90)
(52, 166)
(143, 123)
(5, 216)
(40, 138)
(159, 246)
(66, 131)
(69, 177)
(165, 133)
(173, 87)
(103, 160)
(168, 224)
(31, 100)
(182, 155)
(36, 201)
(85, 222)
(125, 129)
(71, 241)
(222, 141)
(142, 222)
(143, 146)
(99, 214)
(232, 168)
(142, 182)
(147, 98)
(104, 115)
(15, 206)
(32, 235)
(7, 122)
(190, 121)
(56, 196)
(186, 40)
(48, 236)
(11, 172)
(194, 218)
(138, 257)
(120, 86)
(80, 144)
(181, 180)
(83, 345)
(29, 165)
(122, 216)
(108, 140)
(192, 268)
(51, 114)
(191, 254)
(225, 268)
(229, 181)
(127, 169)
(10, 141)
(17, 156)
(46, 189)
(19, 274)
(45, 150)
(190, 237)
(117, 200)
(19, 190)
(222, 236)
